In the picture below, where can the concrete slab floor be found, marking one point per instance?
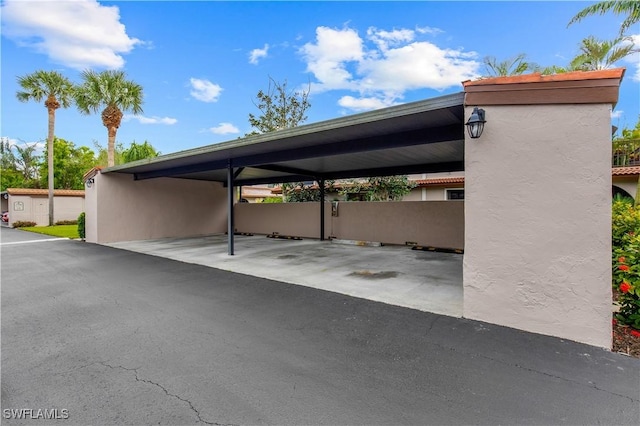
(397, 275)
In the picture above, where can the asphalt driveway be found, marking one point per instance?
(115, 337)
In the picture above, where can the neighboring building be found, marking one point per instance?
(625, 181)
(450, 186)
(28, 204)
(256, 194)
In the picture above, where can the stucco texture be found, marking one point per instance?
(122, 209)
(438, 223)
(538, 221)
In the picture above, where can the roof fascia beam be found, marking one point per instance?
(409, 138)
(286, 169)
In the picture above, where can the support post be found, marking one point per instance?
(230, 201)
(321, 182)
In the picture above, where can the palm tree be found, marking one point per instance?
(58, 92)
(111, 90)
(599, 55)
(631, 8)
(511, 66)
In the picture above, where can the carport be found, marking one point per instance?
(419, 137)
(537, 212)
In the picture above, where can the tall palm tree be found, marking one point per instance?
(58, 92)
(111, 90)
(511, 66)
(602, 54)
(631, 8)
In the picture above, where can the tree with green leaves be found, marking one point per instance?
(70, 164)
(302, 192)
(598, 54)
(102, 154)
(516, 65)
(57, 91)
(379, 188)
(20, 165)
(629, 8)
(138, 151)
(111, 91)
(280, 108)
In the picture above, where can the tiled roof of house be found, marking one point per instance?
(256, 192)
(91, 173)
(539, 78)
(625, 171)
(45, 192)
(440, 181)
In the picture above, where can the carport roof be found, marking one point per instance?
(417, 137)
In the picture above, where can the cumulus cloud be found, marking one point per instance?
(363, 104)
(256, 54)
(616, 114)
(634, 59)
(79, 34)
(224, 129)
(204, 90)
(150, 120)
(385, 64)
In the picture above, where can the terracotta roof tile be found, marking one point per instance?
(91, 173)
(440, 181)
(45, 192)
(539, 78)
(625, 171)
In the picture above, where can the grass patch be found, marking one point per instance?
(63, 231)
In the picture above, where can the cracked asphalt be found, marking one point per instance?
(116, 337)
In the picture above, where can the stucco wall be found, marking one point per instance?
(36, 208)
(439, 224)
(154, 208)
(538, 221)
(67, 208)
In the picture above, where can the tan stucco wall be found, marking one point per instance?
(439, 224)
(126, 210)
(67, 208)
(538, 221)
(36, 208)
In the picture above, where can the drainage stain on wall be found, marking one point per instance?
(374, 275)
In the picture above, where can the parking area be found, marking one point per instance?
(422, 280)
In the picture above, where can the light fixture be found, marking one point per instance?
(475, 124)
(90, 182)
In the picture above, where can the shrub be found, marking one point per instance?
(23, 224)
(626, 261)
(272, 200)
(625, 218)
(81, 226)
(67, 222)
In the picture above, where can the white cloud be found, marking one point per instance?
(384, 66)
(79, 34)
(224, 129)
(429, 30)
(363, 104)
(327, 59)
(616, 114)
(634, 59)
(204, 90)
(256, 54)
(150, 120)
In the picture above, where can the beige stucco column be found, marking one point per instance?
(538, 204)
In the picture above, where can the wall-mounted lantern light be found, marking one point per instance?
(475, 124)
(90, 182)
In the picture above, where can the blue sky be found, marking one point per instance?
(201, 63)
